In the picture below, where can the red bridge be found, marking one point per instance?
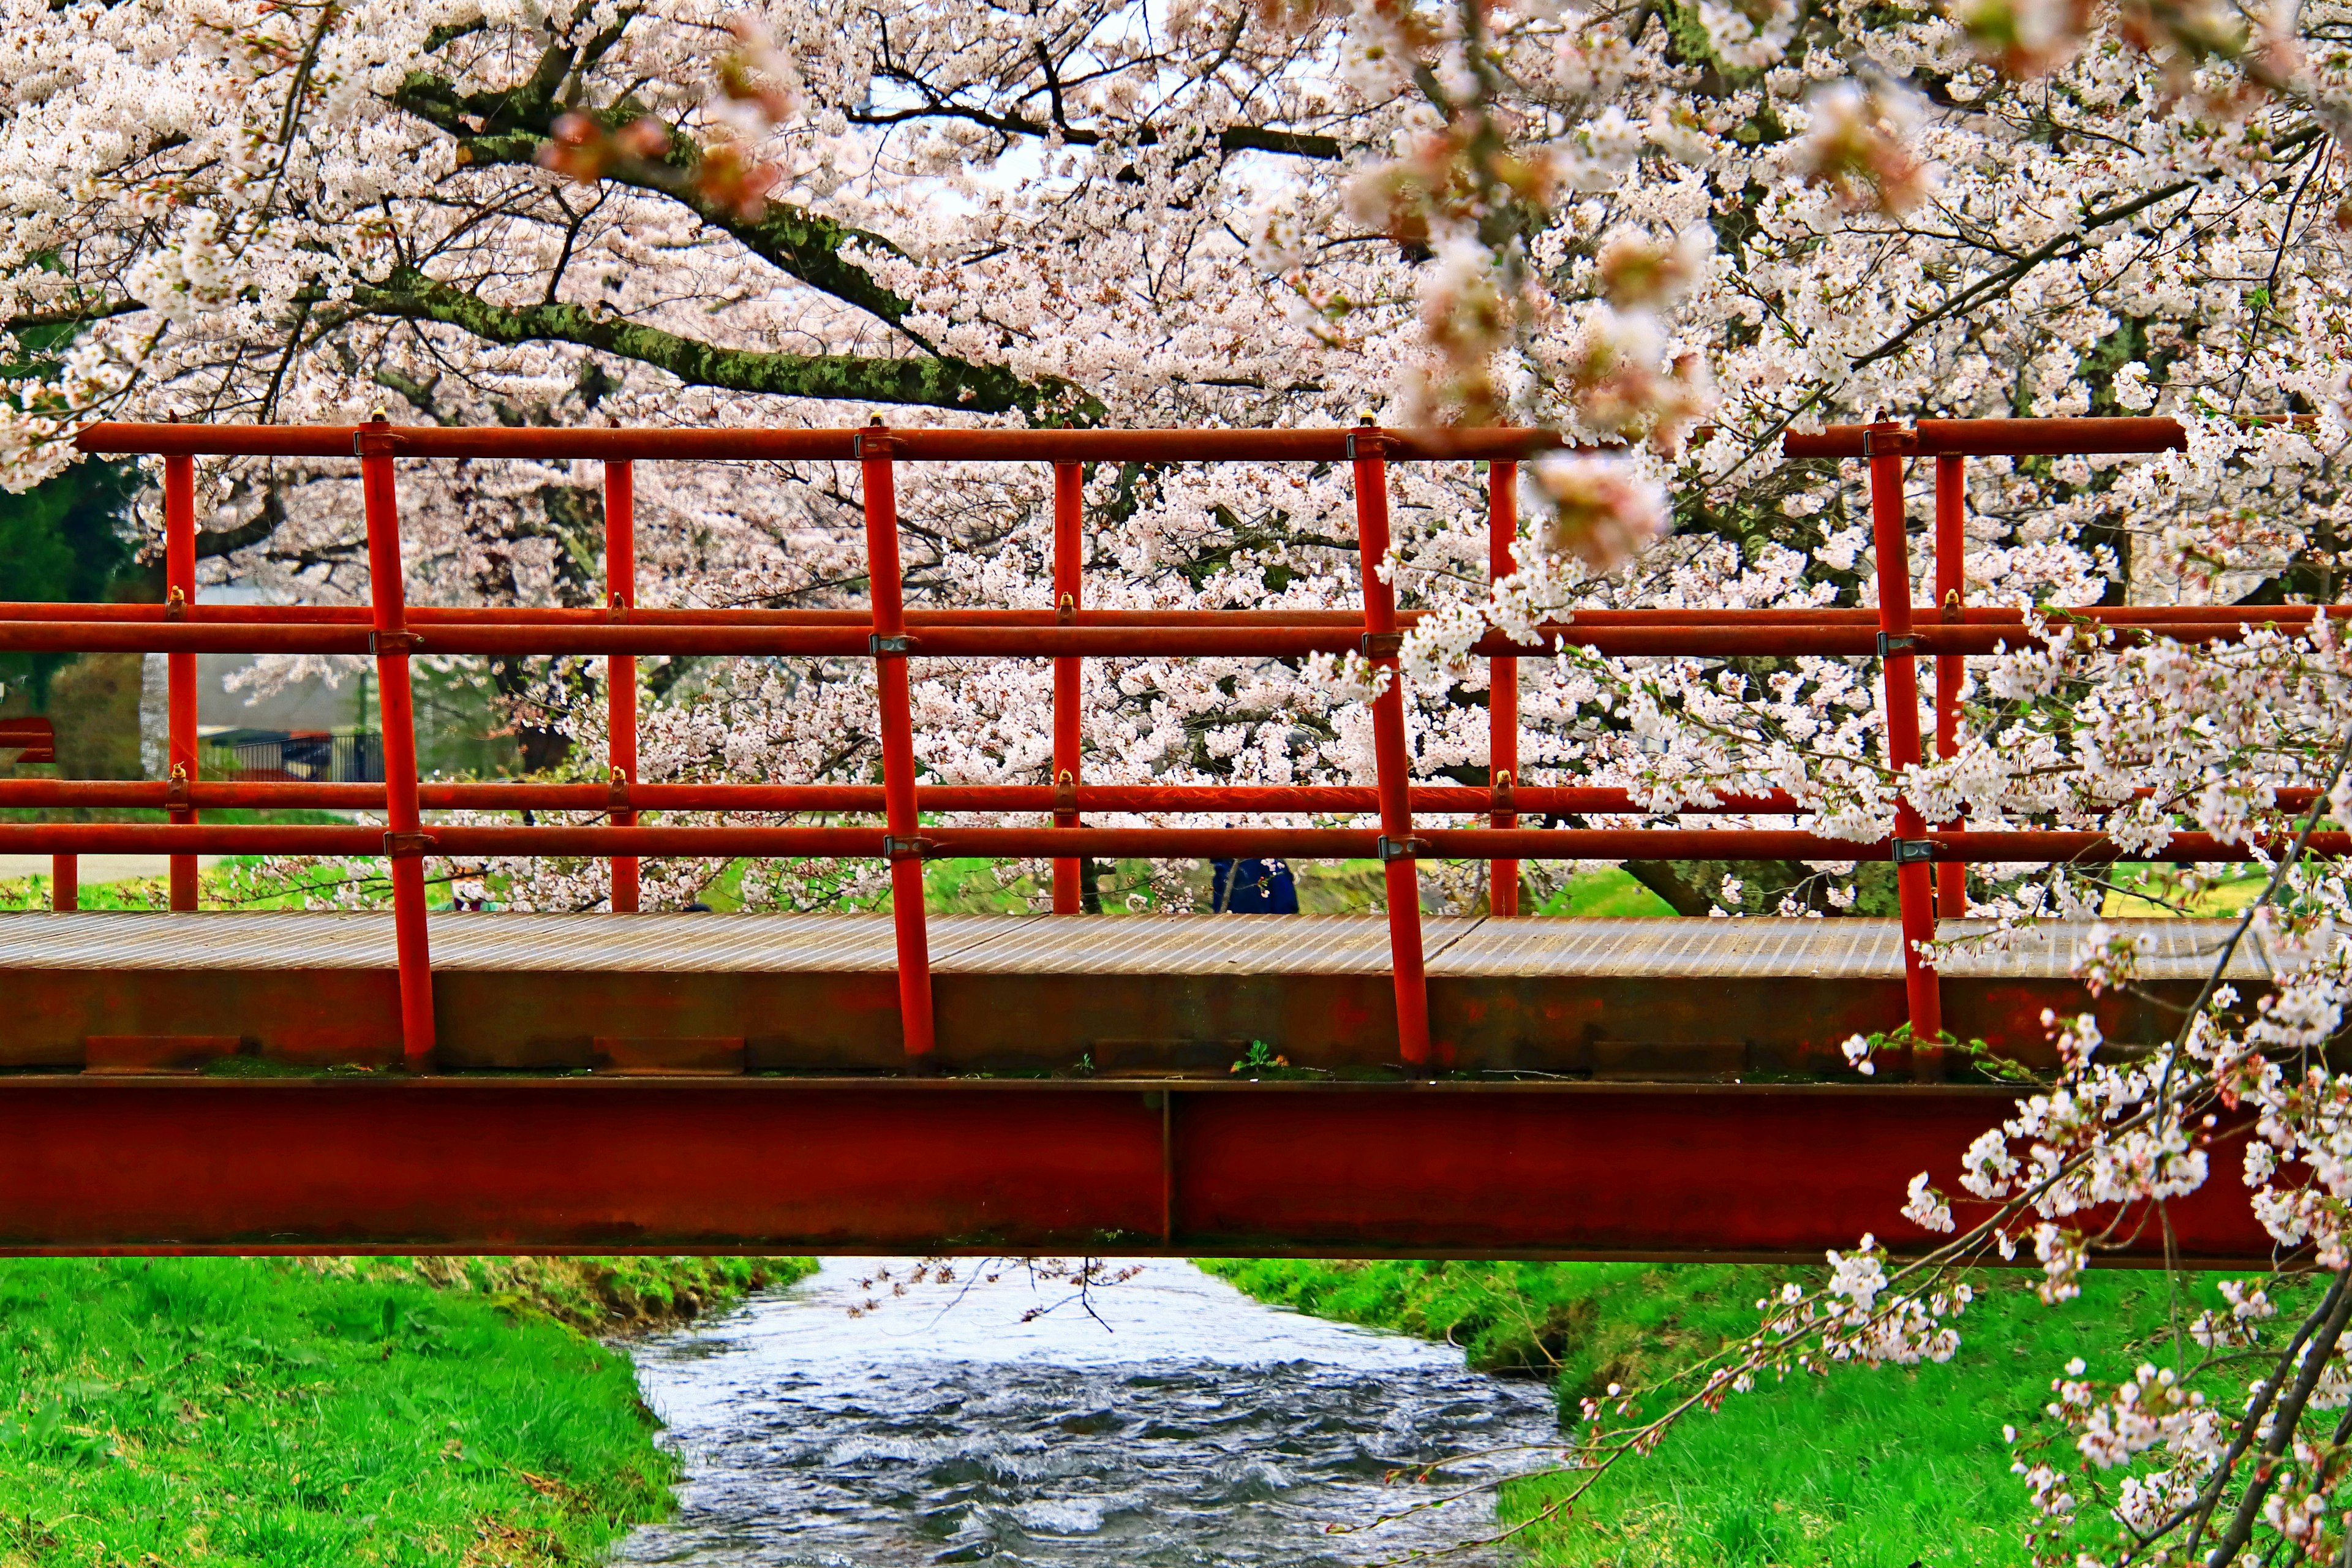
(1486, 1086)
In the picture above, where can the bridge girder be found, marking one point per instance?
(778, 1165)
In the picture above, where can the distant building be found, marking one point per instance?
(304, 714)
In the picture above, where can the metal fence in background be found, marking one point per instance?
(298, 756)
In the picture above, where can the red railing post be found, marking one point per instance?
(621, 669)
(903, 845)
(180, 668)
(403, 838)
(1503, 684)
(1069, 529)
(1886, 447)
(65, 883)
(1951, 594)
(1391, 762)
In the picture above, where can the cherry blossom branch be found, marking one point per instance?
(410, 295)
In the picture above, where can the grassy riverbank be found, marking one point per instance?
(214, 1411)
(1861, 1469)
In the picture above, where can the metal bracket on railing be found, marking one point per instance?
(876, 645)
(895, 850)
(175, 793)
(1067, 612)
(1380, 645)
(876, 437)
(1914, 851)
(403, 846)
(1066, 794)
(175, 604)
(1502, 804)
(1896, 443)
(618, 610)
(1407, 849)
(616, 793)
(1375, 442)
(1896, 642)
(381, 642)
(1952, 605)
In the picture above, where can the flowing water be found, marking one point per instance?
(1190, 1426)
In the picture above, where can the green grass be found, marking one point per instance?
(202, 1411)
(232, 883)
(1611, 892)
(236, 816)
(2164, 898)
(1861, 1469)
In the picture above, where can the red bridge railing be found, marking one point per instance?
(888, 633)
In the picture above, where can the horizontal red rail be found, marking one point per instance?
(293, 795)
(2008, 438)
(283, 794)
(2160, 615)
(1991, 438)
(2022, 847)
(1929, 437)
(1044, 641)
(1328, 445)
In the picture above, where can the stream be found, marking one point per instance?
(1182, 1424)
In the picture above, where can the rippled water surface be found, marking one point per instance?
(1193, 1426)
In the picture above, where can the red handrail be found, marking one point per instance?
(1068, 632)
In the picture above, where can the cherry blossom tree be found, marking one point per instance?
(1620, 223)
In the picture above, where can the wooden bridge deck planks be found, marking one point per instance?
(1112, 944)
(1151, 995)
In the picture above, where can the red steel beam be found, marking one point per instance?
(1951, 588)
(1391, 760)
(1502, 686)
(894, 714)
(735, 444)
(1732, 639)
(2023, 846)
(404, 844)
(1989, 438)
(542, 616)
(1899, 672)
(1185, 799)
(180, 668)
(781, 1166)
(620, 668)
(741, 798)
(1188, 446)
(2028, 847)
(1069, 674)
(2012, 437)
(1933, 437)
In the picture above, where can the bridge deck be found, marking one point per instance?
(804, 1154)
(1150, 996)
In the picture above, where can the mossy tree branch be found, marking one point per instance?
(924, 380)
(513, 129)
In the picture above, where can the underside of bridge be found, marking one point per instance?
(1653, 1088)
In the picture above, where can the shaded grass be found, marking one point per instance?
(1860, 1468)
(604, 1295)
(200, 1411)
